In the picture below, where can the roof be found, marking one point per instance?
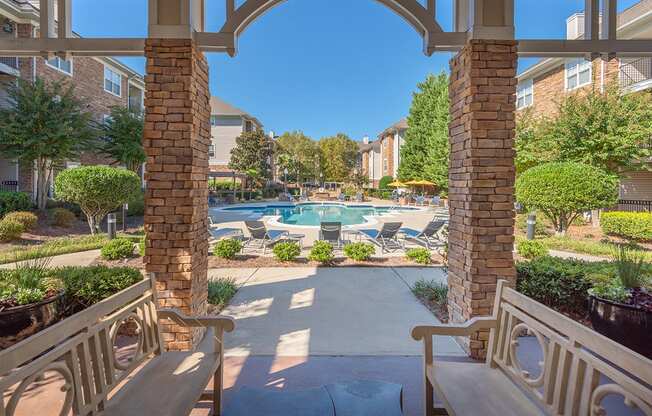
(639, 13)
(220, 107)
(400, 125)
(365, 147)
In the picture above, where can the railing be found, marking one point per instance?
(632, 205)
(10, 61)
(9, 186)
(634, 72)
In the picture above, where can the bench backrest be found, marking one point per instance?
(580, 367)
(81, 350)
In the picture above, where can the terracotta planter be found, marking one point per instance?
(625, 324)
(20, 322)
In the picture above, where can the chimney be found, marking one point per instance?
(575, 26)
(271, 134)
(365, 140)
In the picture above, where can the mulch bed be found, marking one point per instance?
(440, 310)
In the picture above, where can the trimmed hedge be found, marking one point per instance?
(10, 230)
(62, 217)
(531, 249)
(120, 248)
(26, 218)
(14, 201)
(630, 225)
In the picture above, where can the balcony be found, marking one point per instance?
(9, 65)
(636, 74)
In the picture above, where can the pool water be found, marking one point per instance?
(314, 214)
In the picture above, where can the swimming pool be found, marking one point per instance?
(312, 214)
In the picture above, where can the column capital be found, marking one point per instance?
(485, 19)
(175, 19)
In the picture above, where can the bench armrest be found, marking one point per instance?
(217, 321)
(460, 330)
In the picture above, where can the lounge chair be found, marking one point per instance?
(331, 232)
(387, 237)
(359, 197)
(261, 237)
(429, 235)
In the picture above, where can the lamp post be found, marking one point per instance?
(321, 180)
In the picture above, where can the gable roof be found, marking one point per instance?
(220, 107)
(400, 125)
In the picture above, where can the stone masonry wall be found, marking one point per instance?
(176, 139)
(481, 180)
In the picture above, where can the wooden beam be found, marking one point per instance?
(591, 19)
(47, 19)
(64, 19)
(609, 19)
(432, 10)
(580, 48)
(230, 8)
(74, 46)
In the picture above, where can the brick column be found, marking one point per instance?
(481, 180)
(176, 139)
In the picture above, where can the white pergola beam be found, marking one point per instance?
(592, 19)
(64, 19)
(47, 19)
(73, 46)
(609, 19)
(580, 48)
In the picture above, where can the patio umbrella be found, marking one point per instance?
(396, 184)
(422, 182)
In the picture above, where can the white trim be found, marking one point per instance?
(70, 74)
(104, 79)
(522, 92)
(579, 65)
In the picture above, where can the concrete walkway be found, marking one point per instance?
(329, 311)
(82, 258)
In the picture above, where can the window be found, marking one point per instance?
(112, 81)
(213, 120)
(525, 94)
(106, 118)
(60, 64)
(211, 150)
(578, 73)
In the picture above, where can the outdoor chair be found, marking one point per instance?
(331, 232)
(429, 236)
(359, 197)
(387, 237)
(261, 237)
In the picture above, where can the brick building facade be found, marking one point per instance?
(542, 86)
(101, 83)
(383, 156)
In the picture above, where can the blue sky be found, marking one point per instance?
(322, 66)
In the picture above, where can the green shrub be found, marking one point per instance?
(419, 255)
(563, 190)
(136, 205)
(26, 284)
(61, 217)
(227, 248)
(97, 190)
(221, 291)
(558, 283)
(26, 218)
(384, 182)
(14, 201)
(431, 291)
(359, 251)
(88, 285)
(540, 228)
(531, 249)
(287, 251)
(10, 230)
(630, 225)
(322, 252)
(141, 247)
(120, 248)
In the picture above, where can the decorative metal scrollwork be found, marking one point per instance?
(629, 399)
(59, 367)
(132, 317)
(513, 344)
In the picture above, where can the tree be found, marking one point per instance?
(384, 182)
(123, 138)
(252, 151)
(338, 157)
(44, 125)
(298, 154)
(563, 190)
(97, 190)
(425, 152)
(606, 130)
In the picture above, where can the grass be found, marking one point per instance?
(594, 248)
(431, 291)
(220, 292)
(57, 246)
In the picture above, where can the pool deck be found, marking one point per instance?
(416, 219)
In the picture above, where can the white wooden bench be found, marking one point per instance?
(81, 350)
(579, 369)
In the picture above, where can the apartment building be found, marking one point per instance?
(227, 123)
(382, 157)
(102, 83)
(541, 86)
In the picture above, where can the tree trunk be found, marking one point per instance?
(41, 184)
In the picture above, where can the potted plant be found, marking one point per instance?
(620, 302)
(30, 300)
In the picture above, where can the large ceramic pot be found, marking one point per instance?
(625, 324)
(20, 322)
